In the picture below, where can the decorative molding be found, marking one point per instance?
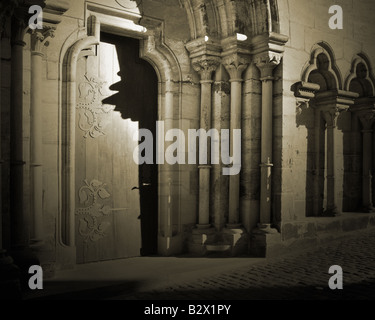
(53, 11)
(92, 217)
(305, 90)
(91, 112)
(335, 99)
(268, 42)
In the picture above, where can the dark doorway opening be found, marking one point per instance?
(137, 99)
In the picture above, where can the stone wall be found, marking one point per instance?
(306, 23)
(184, 191)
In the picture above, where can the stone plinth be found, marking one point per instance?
(263, 244)
(238, 239)
(168, 246)
(198, 240)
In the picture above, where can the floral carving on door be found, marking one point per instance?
(93, 116)
(93, 221)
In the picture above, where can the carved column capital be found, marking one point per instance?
(205, 56)
(235, 64)
(267, 50)
(266, 62)
(205, 66)
(39, 38)
(330, 117)
(367, 118)
(364, 108)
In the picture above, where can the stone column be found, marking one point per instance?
(19, 230)
(38, 40)
(10, 275)
(235, 65)
(168, 179)
(205, 67)
(266, 63)
(220, 121)
(317, 124)
(330, 104)
(330, 118)
(367, 119)
(205, 57)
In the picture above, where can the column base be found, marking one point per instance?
(331, 213)
(265, 242)
(266, 228)
(168, 246)
(199, 238)
(10, 275)
(238, 240)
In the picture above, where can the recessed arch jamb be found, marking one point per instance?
(69, 161)
(165, 64)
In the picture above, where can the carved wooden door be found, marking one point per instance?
(107, 209)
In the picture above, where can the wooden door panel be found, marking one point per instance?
(107, 224)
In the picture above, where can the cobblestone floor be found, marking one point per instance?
(303, 276)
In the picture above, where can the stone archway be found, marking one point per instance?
(166, 66)
(361, 81)
(220, 23)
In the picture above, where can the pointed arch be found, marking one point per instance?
(224, 18)
(322, 68)
(361, 78)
